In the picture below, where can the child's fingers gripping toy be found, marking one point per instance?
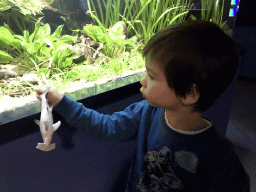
(46, 125)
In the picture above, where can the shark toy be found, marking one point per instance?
(46, 125)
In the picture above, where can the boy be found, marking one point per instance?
(188, 66)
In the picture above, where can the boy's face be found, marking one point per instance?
(154, 85)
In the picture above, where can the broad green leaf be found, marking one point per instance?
(48, 42)
(68, 61)
(87, 29)
(42, 42)
(112, 35)
(68, 39)
(42, 59)
(20, 38)
(55, 57)
(93, 31)
(109, 42)
(31, 38)
(26, 46)
(4, 46)
(47, 29)
(119, 30)
(5, 57)
(6, 36)
(102, 37)
(65, 53)
(58, 31)
(130, 42)
(46, 51)
(26, 35)
(37, 26)
(17, 43)
(52, 38)
(116, 35)
(41, 33)
(7, 27)
(34, 48)
(59, 61)
(59, 46)
(75, 32)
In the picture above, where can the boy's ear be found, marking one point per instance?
(191, 97)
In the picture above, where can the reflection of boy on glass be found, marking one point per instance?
(188, 66)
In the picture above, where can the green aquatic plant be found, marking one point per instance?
(40, 46)
(152, 15)
(7, 43)
(212, 11)
(5, 57)
(143, 16)
(111, 14)
(113, 42)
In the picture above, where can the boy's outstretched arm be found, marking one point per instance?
(119, 125)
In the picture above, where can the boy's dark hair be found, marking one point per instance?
(199, 52)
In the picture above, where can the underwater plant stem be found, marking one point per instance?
(36, 66)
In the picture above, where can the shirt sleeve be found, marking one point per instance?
(119, 125)
(230, 176)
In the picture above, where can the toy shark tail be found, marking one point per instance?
(45, 92)
(45, 147)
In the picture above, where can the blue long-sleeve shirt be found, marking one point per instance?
(197, 161)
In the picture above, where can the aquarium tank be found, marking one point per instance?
(83, 47)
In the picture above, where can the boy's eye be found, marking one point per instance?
(150, 76)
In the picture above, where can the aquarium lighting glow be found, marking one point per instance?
(234, 8)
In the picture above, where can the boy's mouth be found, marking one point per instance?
(142, 93)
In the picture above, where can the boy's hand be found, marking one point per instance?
(53, 96)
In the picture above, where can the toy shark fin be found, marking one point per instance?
(56, 125)
(44, 147)
(37, 122)
(45, 92)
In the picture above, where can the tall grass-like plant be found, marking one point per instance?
(112, 11)
(143, 16)
(212, 11)
(152, 15)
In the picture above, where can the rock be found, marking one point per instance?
(85, 47)
(31, 78)
(20, 70)
(5, 74)
(135, 38)
(122, 25)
